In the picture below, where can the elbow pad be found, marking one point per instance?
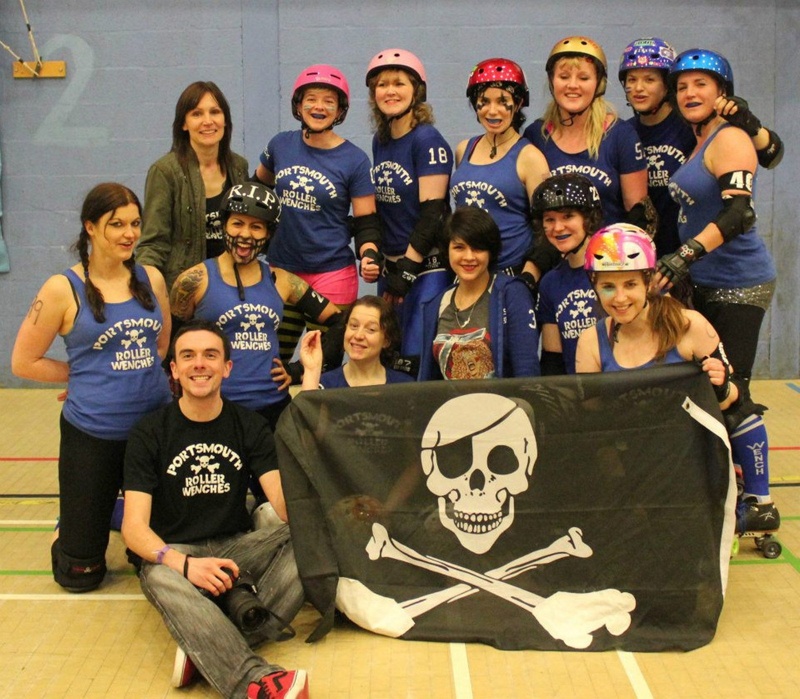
(544, 255)
(366, 229)
(737, 216)
(644, 216)
(771, 156)
(311, 304)
(427, 231)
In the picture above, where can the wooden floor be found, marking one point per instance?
(111, 643)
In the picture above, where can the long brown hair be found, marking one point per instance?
(667, 320)
(188, 100)
(102, 199)
(421, 111)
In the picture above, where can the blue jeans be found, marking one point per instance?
(215, 645)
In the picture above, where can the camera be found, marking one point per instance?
(241, 603)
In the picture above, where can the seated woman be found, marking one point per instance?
(484, 326)
(371, 341)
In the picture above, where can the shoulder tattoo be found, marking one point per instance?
(182, 296)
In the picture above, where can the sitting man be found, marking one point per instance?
(221, 588)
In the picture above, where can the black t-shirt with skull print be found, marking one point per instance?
(198, 472)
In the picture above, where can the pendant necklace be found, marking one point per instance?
(471, 310)
(493, 150)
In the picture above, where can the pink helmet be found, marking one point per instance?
(498, 72)
(398, 59)
(620, 247)
(321, 75)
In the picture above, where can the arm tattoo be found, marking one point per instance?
(297, 287)
(35, 310)
(182, 296)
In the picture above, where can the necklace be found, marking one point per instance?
(493, 151)
(470, 308)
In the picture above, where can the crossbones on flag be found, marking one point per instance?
(577, 512)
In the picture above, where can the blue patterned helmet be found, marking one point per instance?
(650, 52)
(707, 61)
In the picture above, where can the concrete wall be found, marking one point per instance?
(128, 61)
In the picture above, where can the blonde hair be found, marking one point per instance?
(595, 127)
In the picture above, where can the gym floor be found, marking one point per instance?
(112, 642)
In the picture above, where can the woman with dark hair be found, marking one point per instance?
(182, 193)
(484, 326)
(114, 317)
(732, 271)
(411, 167)
(498, 170)
(371, 340)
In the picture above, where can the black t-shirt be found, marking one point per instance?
(215, 236)
(198, 472)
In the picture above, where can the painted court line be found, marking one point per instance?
(460, 666)
(794, 387)
(74, 598)
(635, 676)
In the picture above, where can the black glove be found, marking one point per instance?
(744, 118)
(402, 275)
(375, 255)
(675, 266)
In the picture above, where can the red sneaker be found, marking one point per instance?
(184, 671)
(284, 684)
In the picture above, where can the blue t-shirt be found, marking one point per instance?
(315, 187)
(620, 154)
(496, 188)
(666, 146)
(252, 327)
(115, 374)
(741, 262)
(335, 378)
(567, 299)
(399, 164)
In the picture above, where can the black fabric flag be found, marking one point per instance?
(577, 512)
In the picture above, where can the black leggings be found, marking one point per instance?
(89, 479)
(738, 326)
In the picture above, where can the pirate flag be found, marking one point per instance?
(579, 512)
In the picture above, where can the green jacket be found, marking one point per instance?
(174, 219)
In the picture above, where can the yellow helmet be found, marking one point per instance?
(580, 46)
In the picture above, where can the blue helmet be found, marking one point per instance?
(706, 61)
(650, 52)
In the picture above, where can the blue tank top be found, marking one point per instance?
(252, 327)
(608, 363)
(496, 188)
(115, 374)
(741, 262)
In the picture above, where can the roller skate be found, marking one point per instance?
(758, 521)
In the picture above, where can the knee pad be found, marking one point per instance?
(736, 413)
(76, 574)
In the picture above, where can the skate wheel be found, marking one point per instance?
(771, 547)
(735, 547)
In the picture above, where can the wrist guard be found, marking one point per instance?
(366, 229)
(744, 118)
(402, 275)
(675, 266)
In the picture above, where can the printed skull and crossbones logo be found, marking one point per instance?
(252, 320)
(135, 337)
(304, 183)
(478, 454)
(204, 462)
(472, 199)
